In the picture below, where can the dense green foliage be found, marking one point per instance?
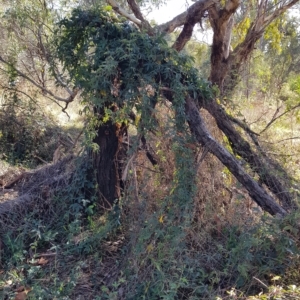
(115, 63)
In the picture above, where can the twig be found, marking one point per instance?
(43, 161)
(280, 141)
(263, 284)
(203, 155)
(146, 168)
(66, 100)
(274, 119)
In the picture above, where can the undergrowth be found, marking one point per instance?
(28, 135)
(157, 246)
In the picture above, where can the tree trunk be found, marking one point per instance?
(108, 162)
(225, 71)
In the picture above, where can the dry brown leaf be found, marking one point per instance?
(42, 261)
(22, 295)
(39, 262)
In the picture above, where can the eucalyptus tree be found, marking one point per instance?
(113, 56)
(226, 64)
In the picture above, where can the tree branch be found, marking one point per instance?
(257, 193)
(123, 12)
(276, 118)
(268, 172)
(241, 124)
(255, 32)
(42, 88)
(241, 147)
(194, 16)
(194, 10)
(279, 11)
(184, 36)
(137, 12)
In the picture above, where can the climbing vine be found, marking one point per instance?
(116, 65)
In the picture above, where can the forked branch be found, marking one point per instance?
(137, 12)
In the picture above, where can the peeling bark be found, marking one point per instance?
(221, 21)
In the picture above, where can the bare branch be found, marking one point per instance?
(256, 31)
(47, 91)
(137, 12)
(123, 12)
(194, 16)
(195, 10)
(184, 36)
(275, 118)
(241, 124)
(258, 194)
(242, 148)
(279, 11)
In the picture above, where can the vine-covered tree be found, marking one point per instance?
(124, 68)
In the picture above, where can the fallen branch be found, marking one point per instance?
(257, 193)
(267, 172)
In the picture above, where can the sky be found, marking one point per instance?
(169, 11)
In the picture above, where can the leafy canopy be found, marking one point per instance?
(113, 62)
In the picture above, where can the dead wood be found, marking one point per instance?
(268, 173)
(11, 183)
(257, 193)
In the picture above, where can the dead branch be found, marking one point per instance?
(242, 148)
(53, 176)
(42, 88)
(275, 118)
(257, 193)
